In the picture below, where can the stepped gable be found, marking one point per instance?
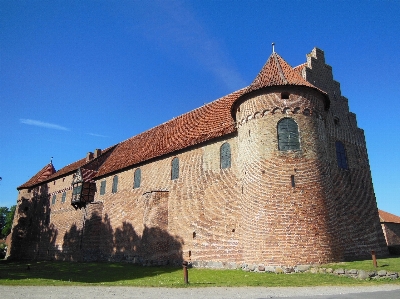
(39, 177)
(202, 124)
(387, 217)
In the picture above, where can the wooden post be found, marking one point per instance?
(374, 259)
(185, 272)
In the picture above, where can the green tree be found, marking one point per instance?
(6, 228)
(3, 215)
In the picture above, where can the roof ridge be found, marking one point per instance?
(182, 115)
(280, 68)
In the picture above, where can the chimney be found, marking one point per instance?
(97, 152)
(89, 156)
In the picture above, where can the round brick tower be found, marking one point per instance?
(285, 202)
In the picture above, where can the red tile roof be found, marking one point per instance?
(277, 72)
(202, 124)
(46, 176)
(88, 175)
(69, 168)
(300, 67)
(387, 217)
(39, 177)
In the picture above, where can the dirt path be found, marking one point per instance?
(385, 291)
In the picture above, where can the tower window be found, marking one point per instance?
(102, 187)
(53, 200)
(336, 120)
(285, 96)
(137, 178)
(341, 155)
(225, 155)
(63, 197)
(288, 135)
(115, 184)
(292, 181)
(175, 168)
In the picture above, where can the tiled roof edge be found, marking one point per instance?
(181, 115)
(388, 217)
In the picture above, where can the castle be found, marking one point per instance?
(276, 173)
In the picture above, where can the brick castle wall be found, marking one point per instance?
(248, 213)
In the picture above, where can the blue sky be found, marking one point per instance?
(80, 75)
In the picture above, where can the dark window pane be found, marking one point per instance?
(137, 178)
(53, 200)
(102, 187)
(225, 156)
(288, 135)
(341, 155)
(63, 197)
(115, 184)
(175, 169)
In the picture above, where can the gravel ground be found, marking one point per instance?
(382, 291)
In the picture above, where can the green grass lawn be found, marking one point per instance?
(389, 264)
(121, 274)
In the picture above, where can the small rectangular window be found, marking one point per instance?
(77, 190)
(102, 187)
(137, 178)
(225, 156)
(53, 200)
(115, 184)
(341, 155)
(175, 169)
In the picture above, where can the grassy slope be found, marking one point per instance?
(67, 273)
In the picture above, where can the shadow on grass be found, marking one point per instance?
(91, 238)
(95, 273)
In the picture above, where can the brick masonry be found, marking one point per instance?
(248, 213)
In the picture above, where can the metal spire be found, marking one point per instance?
(273, 47)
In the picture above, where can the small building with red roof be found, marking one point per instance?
(391, 229)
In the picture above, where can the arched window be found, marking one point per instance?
(175, 168)
(341, 155)
(63, 197)
(137, 177)
(115, 184)
(288, 135)
(225, 155)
